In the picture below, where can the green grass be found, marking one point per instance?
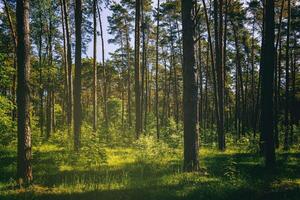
(224, 175)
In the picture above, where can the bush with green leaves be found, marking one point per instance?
(7, 126)
(150, 150)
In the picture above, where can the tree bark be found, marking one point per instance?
(267, 81)
(77, 80)
(95, 102)
(287, 80)
(190, 93)
(69, 61)
(138, 127)
(24, 169)
(156, 72)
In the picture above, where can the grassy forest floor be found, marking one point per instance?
(234, 174)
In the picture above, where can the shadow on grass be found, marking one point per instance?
(235, 176)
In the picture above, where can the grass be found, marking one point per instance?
(228, 175)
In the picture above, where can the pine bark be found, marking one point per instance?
(267, 81)
(77, 80)
(190, 93)
(24, 168)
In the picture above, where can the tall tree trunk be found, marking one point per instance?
(24, 169)
(143, 63)
(104, 71)
(41, 89)
(65, 64)
(267, 80)
(156, 71)
(95, 102)
(128, 77)
(138, 127)
(213, 63)
(69, 61)
(77, 80)
(190, 93)
(49, 125)
(277, 77)
(287, 80)
(218, 24)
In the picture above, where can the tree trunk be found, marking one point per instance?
(267, 80)
(65, 64)
(138, 127)
(287, 80)
(24, 169)
(128, 77)
(277, 78)
(77, 80)
(69, 61)
(95, 102)
(104, 72)
(156, 72)
(190, 93)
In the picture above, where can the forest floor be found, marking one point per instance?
(224, 175)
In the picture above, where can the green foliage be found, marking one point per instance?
(91, 155)
(151, 150)
(114, 106)
(7, 126)
(172, 133)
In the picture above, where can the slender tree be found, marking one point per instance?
(138, 117)
(95, 105)
(156, 70)
(287, 80)
(77, 80)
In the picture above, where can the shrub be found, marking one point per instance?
(7, 126)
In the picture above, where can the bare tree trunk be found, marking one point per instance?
(277, 77)
(77, 80)
(69, 61)
(190, 98)
(49, 125)
(65, 63)
(213, 64)
(24, 169)
(104, 72)
(138, 120)
(267, 81)
(287, 80)
(156, 72)
(95, 102)
(128, 78)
